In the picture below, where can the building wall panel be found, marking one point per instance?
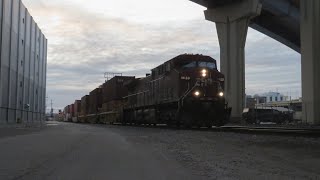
(45, 73)
(5, 57)
(41, 63)
(36, 76)
(32, 65)
(13, 60)
(26, 73)
(2, 111)
(20, 61)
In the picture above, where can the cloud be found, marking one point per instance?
(88, 39)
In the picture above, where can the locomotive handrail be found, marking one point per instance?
(109, 112)
(135, 94)
(158, 79)
(187, 92)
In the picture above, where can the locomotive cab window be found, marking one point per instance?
(210, 65)
(190, 65)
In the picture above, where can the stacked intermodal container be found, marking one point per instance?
(95, 104)
(77, 110)
(84, 108)
(67, 111)
(103, 103)
(113, 92)
(71, 110)
(95, 100)
(114, 89)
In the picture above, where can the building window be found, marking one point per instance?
(21, 62)
(281, 98)
(276, 98)
(23, 20)
(22, 41)
(20, 83)
(271, 99)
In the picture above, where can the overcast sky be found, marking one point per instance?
(88, 38)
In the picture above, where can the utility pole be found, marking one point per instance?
(51, 112)
(46, 105)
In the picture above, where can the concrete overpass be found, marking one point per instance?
(295, 23)
(279, 19)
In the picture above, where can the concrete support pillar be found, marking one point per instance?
(310, 62)
(232, 22)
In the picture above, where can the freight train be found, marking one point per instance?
(187, 90)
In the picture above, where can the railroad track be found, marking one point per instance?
(266, 130)
(287, 131)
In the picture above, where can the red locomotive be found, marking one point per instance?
(186, 90)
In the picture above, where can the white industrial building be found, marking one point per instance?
(23, 65)
(274, 97)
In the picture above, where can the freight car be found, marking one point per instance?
(84, 109)
(95, 104)
(113, 92)
(77, 108)
(67, 113)
(186, 90)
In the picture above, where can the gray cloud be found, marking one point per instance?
(271, 66)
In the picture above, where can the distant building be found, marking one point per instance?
(270, 97)
(23, 63)
(260, 99)
(274, 97)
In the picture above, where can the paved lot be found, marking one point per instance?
(75, 151)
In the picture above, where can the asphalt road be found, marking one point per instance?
(73, 152)
(67, 151)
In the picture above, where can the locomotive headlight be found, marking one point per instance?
(197, 93)
(204, 73)
(221, 94)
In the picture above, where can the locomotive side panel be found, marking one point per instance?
(164, 85)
